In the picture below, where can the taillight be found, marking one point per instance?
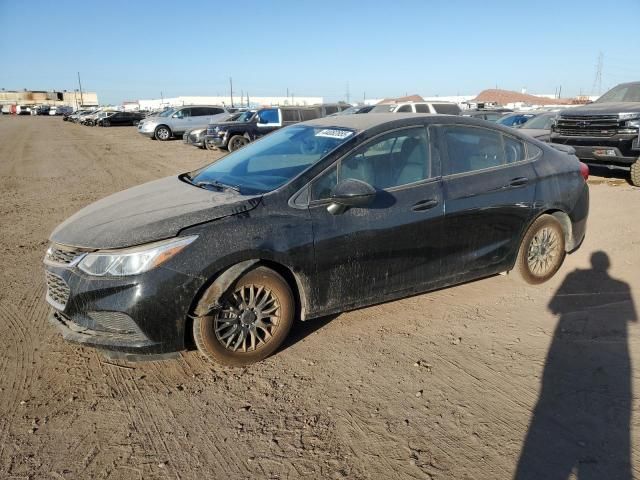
(584, 171)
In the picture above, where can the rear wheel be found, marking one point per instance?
(162, 133)
(635, 173)
(236, 142)
(254, 319)
(106, 123)
(542, 251)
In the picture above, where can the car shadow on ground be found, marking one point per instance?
(301, 330)
(597, 173)
(581, 422)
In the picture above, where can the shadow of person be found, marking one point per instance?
(581, 423)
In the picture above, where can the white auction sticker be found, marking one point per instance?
(333, 133)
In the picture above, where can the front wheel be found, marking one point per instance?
(635, 173)
(542, 251)
(106, 123)
(162, 133)
(253, 320)
(236, 142)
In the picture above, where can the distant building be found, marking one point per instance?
(41, 97)
(253, 102)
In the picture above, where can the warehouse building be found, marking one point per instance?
(73, 99)
(238, 101)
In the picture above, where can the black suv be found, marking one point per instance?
(607, 132)
(234, 135)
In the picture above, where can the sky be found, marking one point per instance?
(128, 50)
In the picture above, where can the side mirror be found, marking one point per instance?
(350, 193)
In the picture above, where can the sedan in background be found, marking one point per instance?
(539, 127)
(120, 119)
(515, 119)
(314, 219)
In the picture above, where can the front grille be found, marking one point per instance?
(63, 254)
(57, 289)
(588, 125)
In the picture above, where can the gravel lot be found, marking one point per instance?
(438, 386)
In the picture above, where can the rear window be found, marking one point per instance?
(447, 108)
(290, 116)
(309, 114)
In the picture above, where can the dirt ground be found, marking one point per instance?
(438, 386)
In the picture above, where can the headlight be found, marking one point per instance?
(629, 115)
(148, 126)
(633, 123)
(132, 261)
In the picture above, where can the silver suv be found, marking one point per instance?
(175, 121)
(447, 108)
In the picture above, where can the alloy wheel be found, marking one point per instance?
(248, 318)
(543, 251)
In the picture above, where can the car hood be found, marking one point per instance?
(610, 108)
(146, 213)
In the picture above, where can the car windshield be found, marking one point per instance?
(244, 116)
(271, 162)
(622, 93)
(541, 122)
(167, 113)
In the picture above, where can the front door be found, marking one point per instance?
(393, 245)
(489, 188)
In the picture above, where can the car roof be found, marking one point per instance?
(365, 121)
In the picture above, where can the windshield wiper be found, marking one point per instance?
(218, 185)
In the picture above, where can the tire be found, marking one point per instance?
(635, 173)
(162, 133)
(135, 123)
(236, 142)
(106, 123)
(542, 251)
(213, 333)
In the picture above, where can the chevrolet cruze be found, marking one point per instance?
(317, 218)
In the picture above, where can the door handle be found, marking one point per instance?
(423, 205)
(518, 182)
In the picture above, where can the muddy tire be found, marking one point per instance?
(635, 173)
(255, 317)
(162, 133)
(236, 142)
(541, 252)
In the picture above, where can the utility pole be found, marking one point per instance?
(597, 81)
(231, 88)
(560, 92)
(348, 96)
(161, 99)
(241, 98)
(80, 85)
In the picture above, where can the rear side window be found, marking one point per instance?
(470, 149)
(212, 110)
(533, 151)
(269, 115)
(405, 108)
(422, 108)
(447, 108)
(514, 149)
(290, 116)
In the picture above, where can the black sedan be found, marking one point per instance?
(317, 218)
(120, 118)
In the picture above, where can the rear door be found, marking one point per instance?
(368, 254)
(489, 192)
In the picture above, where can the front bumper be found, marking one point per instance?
(147, 132)
(216, 141)
(140, 314)
(618, 151)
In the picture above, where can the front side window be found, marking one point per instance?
(421, 108)
(404, 109)
(396, 159)
(268, 115)
(183, 113)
